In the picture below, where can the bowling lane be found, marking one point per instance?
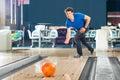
(71, 67)
(20, 53)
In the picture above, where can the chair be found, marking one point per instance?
(45, 35)
(87, 35)
(36, 33)
(118, 33)
(93, 34)
(61, 35)
(33, 37)
(53, 36)
(49, 36)
(39, 27)
(112, 34)
(72, 34)
(112, 37)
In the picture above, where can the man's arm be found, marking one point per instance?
(67, 36)
(87, 19)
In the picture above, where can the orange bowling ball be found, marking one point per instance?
(48, 69)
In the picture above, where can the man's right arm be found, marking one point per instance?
(67, 36)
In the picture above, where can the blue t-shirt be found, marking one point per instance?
(78, 23)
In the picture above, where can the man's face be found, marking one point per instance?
(69, 14)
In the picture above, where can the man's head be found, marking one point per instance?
(69, 12)
(69, 9)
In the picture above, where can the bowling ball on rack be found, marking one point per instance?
(48, 69)
(15, 36)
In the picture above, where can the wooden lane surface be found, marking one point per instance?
(114, 53)
(71, 67)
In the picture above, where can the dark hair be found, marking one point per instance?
(69, 9)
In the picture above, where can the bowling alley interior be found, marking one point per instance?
(33, 34)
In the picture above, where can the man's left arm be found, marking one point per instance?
(87, 21)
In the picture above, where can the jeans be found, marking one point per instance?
(80, 38)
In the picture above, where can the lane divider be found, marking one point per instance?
(10, 68)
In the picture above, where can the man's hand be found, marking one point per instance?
(66, 41)
(82, 30)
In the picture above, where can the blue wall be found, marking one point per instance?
(52, 11)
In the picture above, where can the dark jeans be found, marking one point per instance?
(80, 38)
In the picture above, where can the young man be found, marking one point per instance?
(80, 22)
